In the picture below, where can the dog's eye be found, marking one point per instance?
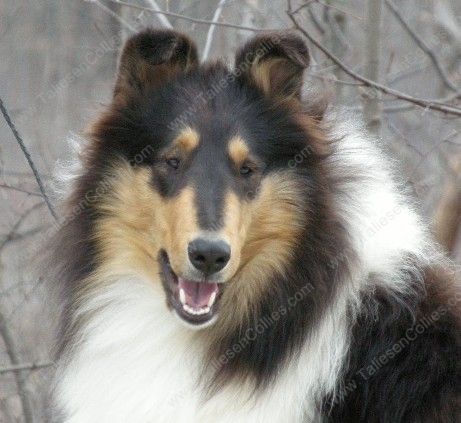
(246, 170)
(173, 162)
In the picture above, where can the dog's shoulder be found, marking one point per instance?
(405, 356)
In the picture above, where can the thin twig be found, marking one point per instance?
(333, 79)
(315, 20)
(26, 366)
(18, 224)
(399, 108)
(27, 296)
(369, 83)
(447, 217)
(423, 46)
(337, 31)
(37, 194)
(22, 174)
(161, 17)
(372, 106)
(447, 99)
(393, 78)
(194, 20)
(302, 6)
(411, 106)
(113, 14)
(344, 12)
(31, 232)
(14, 356)
(28, 157)
(209, 37)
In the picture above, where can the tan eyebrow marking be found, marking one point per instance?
(238, 150)
(187, 140)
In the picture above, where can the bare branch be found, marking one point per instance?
(372, 110)
(344, 12)
(447, 99)
(447, 217)
(315, 20)
(29, 233)
(209, 37)
(446, 21)
(26, 298)
(22, 174)
(14, 356)
(404, 107)
(161, 17)
(28, 157)
(312, 15)
(194, 20)
(423, 46)
(302, 6)
(37, 194)
(372, 84)
(11, 235)
(333, 79)
(336, 29)
(398, 76)
(26, 366)
(113, 14)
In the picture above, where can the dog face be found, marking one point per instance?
(204, 188)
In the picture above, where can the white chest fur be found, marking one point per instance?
(136, 363)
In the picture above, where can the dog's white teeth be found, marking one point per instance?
(196, 312)
(211, 300)
(182, 296)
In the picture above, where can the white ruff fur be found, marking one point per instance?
(137, 363)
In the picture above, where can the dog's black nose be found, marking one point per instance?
(209, 256)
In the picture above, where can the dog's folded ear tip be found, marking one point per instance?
(283, 43)
(299, 47)
(292, 46)
(156, 49)
(151, 57)
(158, 46)
(275, 61)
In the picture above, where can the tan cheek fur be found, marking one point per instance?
(268, 229)
(137, 222)
(178, 228)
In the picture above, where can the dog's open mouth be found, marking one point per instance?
(195, 302)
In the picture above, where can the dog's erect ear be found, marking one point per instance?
(151, 58)
(275, 62)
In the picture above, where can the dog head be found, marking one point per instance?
(210, 170)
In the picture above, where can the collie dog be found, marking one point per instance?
(234, 252)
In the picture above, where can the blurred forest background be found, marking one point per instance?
(396, 63)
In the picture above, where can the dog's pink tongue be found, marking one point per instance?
(197, 293)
